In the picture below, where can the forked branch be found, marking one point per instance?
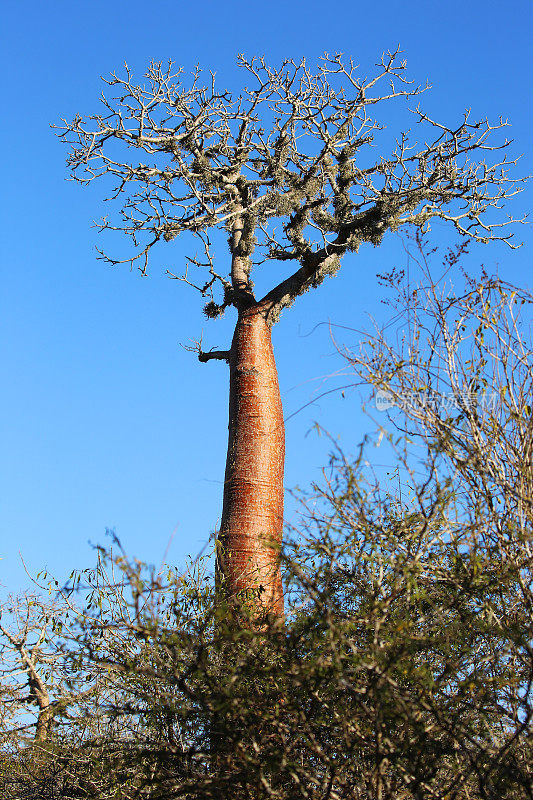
(287, 168)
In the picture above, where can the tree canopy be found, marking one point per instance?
(296, 147)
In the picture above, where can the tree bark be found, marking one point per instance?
(44, 724)
(248, 563)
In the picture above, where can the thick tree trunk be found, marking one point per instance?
(252, 516)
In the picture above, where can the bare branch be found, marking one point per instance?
(296, 146)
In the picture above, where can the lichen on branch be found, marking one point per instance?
(291, 168)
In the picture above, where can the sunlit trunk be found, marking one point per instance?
(252, 516)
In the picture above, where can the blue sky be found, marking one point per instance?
(105, 420)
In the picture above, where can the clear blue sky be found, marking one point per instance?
(105, 420)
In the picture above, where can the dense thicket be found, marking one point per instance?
(404, 668)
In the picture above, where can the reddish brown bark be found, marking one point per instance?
(252, 516)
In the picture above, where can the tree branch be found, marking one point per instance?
(210, 355)
(289, 148)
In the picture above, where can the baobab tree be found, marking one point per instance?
(289, 168)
